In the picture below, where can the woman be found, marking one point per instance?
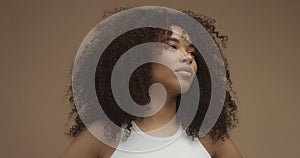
(160, 134)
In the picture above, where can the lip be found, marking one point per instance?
(186, 71)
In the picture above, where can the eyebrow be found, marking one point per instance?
(176, 40)
(171, 39)
(192, 46)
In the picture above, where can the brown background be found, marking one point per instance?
(39, 41)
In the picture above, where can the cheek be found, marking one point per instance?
(161, 70)
(167, 58)
(195, 67)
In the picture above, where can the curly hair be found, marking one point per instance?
(140, 81)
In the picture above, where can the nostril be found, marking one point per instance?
(187, 59)
(190, 58)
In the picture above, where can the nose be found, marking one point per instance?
(186, 57)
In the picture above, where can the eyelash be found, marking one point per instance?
(192, 54)
(174, 47)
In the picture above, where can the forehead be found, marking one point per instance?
(179, 33)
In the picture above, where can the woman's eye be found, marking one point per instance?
(192, 54)
(172, 47)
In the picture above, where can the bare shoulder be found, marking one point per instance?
(220, 149)
(87, 145)
(206, 141)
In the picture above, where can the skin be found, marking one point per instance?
(179, 54)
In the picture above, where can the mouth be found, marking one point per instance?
(185, 71)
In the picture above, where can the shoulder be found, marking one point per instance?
(220, 149)
(87, 143)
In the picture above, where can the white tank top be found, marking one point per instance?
(142, 145)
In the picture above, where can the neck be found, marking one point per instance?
(165, 117)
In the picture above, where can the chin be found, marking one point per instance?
(184, 88)
(175, 85)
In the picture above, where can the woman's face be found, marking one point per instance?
(179, 55)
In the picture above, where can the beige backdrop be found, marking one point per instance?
(39, 41)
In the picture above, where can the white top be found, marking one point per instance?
(142, 145)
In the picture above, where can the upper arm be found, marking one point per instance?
(84, 145)
(226, 149)
(87, 145)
